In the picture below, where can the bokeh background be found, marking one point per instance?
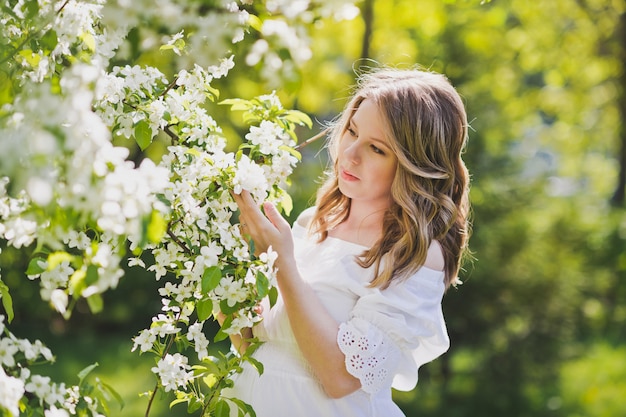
(538, 327)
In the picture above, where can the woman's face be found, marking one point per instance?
(366, 164)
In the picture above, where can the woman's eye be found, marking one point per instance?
(377, 150)
(351, 131)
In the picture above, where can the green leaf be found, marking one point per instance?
(262, 284)
(182, 398)
(193, 152)
(204, 308)
(95, 303)
(273, 296)
(92, 275)
(296, 116)
(257, 365)
(57, 258)
(194, 405)
(143, 134)
(49, 40)
(286, 204)
(32, 9)
(212, 92)
(108, 388)
(222, 409)
(237, 104)
(255, 22)
(30, 57)
(245, 409)
(34, 267)
(292, 151)
(86, 371)
(88, 40)
(7, 301)
(221, 334)
(210, 380)
(156, 228)
(77, 282)
(226, 309)
(211, 279)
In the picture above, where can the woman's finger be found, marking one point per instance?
(275, 217)
(248, 208)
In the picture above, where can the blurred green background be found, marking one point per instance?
(538, 327)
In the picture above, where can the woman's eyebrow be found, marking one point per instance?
(352, 123)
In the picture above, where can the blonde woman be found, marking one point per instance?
(362, 274)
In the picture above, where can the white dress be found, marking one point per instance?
(386, 335)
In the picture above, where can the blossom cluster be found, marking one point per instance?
(57, 400)
(81, 204)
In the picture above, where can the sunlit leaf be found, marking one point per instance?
(157, 227)
(7, 301)
(210, 380)
(57, 258)
(143, 134)
(299, 117)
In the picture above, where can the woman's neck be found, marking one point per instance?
(363, 226)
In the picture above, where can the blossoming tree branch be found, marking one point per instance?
(81, 208)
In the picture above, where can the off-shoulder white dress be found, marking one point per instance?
(385, 335)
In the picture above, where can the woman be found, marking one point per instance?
(361, 275)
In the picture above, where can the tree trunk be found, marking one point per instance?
(367, 11)
(620, 190)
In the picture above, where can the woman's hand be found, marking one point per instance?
(269, 229)
(314, 328)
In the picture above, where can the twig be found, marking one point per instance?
(172, 135)
(156, 387)
(63, 6)
(169, 87)
(312, 139)
(178, 242)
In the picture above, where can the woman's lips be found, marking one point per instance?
(348, 176)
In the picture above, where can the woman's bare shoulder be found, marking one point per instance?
(304, 219)
(434, 257)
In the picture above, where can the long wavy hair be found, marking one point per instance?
(426, 125)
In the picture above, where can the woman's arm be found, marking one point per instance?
(314, 328)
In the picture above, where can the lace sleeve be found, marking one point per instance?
(370, 356)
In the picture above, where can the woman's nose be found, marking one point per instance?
(352, 152)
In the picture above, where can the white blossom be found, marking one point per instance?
(209, 254)
(173, 371)
(56, 412)
(59, 135)
(38, 385)
(11, 391)
(8, 349)
(144, 341)
(231, 290)
(249, 176)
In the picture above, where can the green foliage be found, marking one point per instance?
(593, 384)
(539, 82)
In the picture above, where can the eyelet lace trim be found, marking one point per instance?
(369, 357)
